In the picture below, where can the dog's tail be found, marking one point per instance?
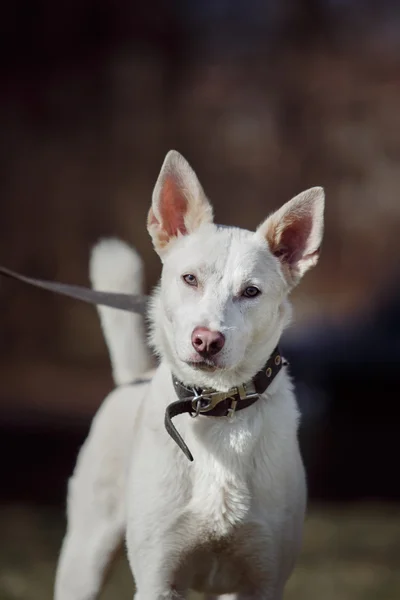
(116, 267)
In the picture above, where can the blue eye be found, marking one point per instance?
(251, 292)
(190, 279)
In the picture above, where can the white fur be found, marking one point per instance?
(114, 266)
(231, 521)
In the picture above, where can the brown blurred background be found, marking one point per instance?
(264, 99)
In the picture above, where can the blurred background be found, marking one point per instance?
(264, 99)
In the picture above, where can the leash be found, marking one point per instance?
(211, 403)
(193, 401)
(129, 302)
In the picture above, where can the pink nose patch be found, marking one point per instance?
(207, 342)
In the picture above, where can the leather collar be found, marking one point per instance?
(211, 403)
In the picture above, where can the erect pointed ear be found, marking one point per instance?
(294, 233)
(179, 204)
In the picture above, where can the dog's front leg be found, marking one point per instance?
(157, 584)
(170, 595)
(270, 595)
(154, 569)
(158, 547)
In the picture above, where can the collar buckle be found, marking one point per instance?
(232, 408)
(206, 400)
(244, 394)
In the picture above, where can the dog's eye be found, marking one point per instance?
(251, 292)
(190, 279)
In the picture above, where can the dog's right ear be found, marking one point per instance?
(179, 204)
(294, 233)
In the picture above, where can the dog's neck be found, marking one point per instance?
(254, 387)
(209, 402)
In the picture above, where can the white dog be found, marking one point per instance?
(228, 524)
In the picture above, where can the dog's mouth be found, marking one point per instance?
(203, 365)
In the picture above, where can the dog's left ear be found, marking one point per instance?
(294, 233)
(179, 204)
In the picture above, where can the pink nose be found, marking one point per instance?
(206, 342)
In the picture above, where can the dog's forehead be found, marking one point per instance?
(220, 248)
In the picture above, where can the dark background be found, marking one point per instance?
(264, 99)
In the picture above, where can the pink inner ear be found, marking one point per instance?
(294, 239)
(151, 219)
(173, 207)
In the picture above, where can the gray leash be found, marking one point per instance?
(128, 302)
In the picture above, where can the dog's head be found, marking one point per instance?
(222, 303)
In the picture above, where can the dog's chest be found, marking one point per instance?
(230, 535)
(220, 503)
(224, 481)
(223, 515)
(220, 500)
